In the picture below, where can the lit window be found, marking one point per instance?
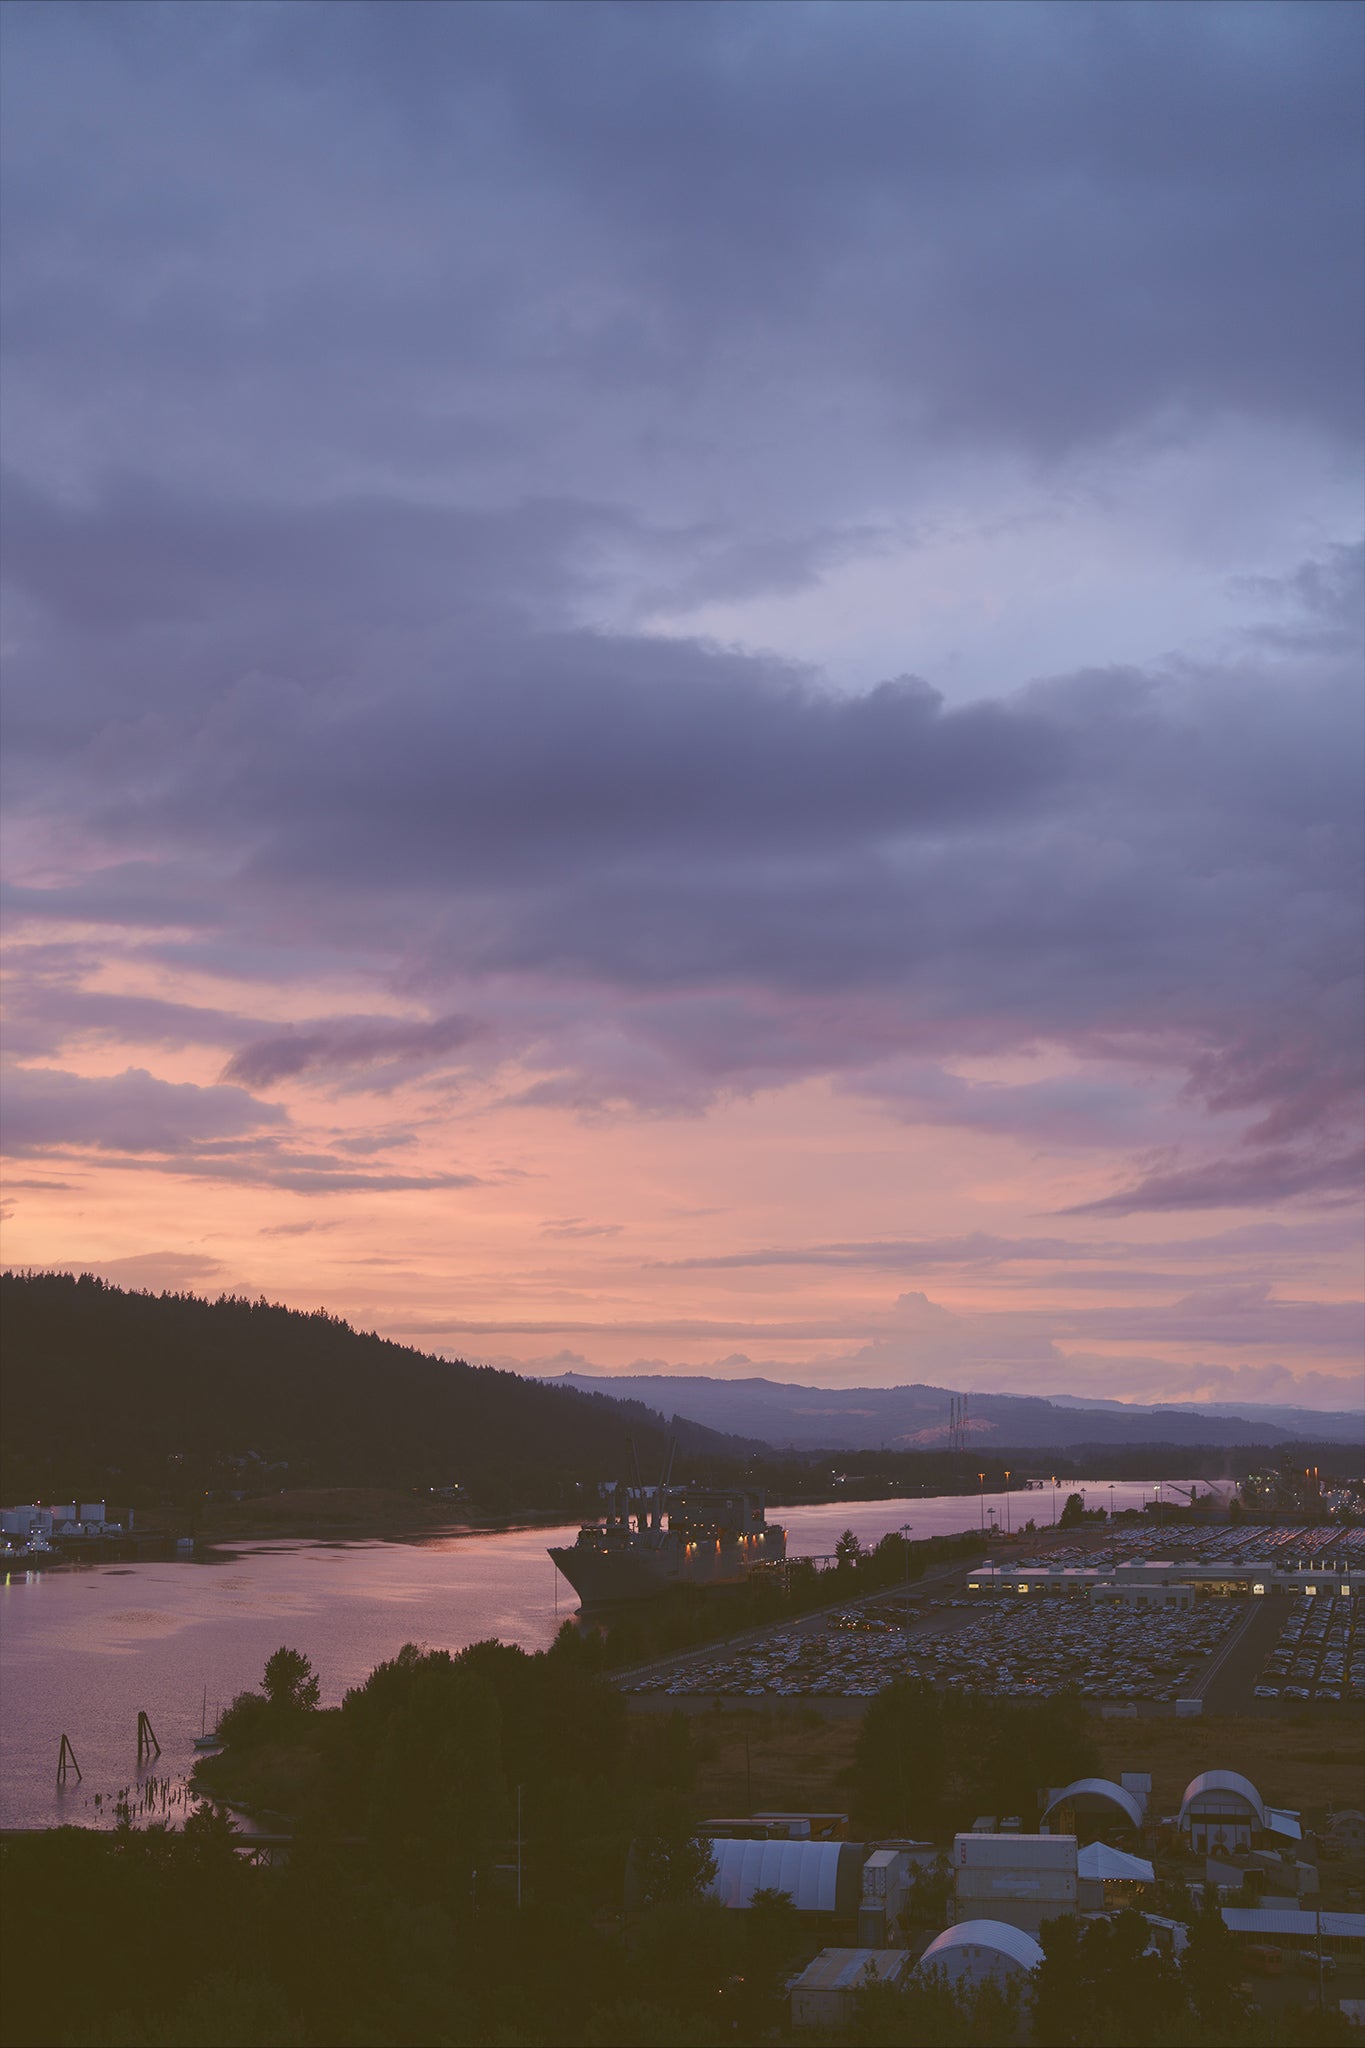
(1258, 1589)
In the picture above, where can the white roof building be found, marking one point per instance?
(826, 1992)
(1284, 1922)
(981, 1951)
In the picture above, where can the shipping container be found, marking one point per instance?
(1043, 1852)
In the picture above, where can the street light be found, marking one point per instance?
(982, 1477)
(1007, 1500)
(906, 1527)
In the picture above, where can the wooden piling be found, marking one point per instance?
(147, 1744)
(66, 1755)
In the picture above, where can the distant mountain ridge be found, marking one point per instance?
(794, 1417)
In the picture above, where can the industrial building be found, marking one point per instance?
(63, 1518)
(1144, 1582)
(976, 1952)
(1017, 1878)
(826, 1992)
(1340, 1934)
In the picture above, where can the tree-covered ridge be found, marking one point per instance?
(145, 1397)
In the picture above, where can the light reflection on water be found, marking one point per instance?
(84, 1649)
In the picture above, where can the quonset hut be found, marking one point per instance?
(1221, 1810)
(1092, 1809)
(819, 1877)
(980, 1951)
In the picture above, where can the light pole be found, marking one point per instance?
(906, 1527)
(1054, 1500)
(982, 1477)
(1007, 1501)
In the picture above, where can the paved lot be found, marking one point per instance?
(1109, 1654)
(1106, 1653)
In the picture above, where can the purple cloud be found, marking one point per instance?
(346, 1042)
(1258, 1179)
(347, 568)
(132, 1112)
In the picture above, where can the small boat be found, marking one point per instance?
(206, 1739)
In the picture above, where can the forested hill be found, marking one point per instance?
(140, 1398)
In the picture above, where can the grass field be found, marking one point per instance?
(798, 1758)
(1308, 1762)
(789, 1760)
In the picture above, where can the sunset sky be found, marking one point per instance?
(684, 682)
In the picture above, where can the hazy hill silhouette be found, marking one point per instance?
(915, 1417)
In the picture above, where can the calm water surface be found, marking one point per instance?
(83, 1650)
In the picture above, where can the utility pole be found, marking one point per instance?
(1321, 1994)
(518, 1848)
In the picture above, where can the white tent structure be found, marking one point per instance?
(981, 1951)
(1099, 1864)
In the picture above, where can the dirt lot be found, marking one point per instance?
(797, 1758)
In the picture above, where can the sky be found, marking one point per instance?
(683, 681)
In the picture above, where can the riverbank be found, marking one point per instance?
(366, 1512)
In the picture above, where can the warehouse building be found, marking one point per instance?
(1341, 1934)
(826, 1992)
(1163, 1582)
(977, 1952)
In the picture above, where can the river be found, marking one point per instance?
(84, 1649)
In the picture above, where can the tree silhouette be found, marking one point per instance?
(290, 1683)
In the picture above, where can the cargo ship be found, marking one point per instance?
(654, 1537)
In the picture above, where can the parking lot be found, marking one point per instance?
(1101, 1652)
(1290, 1651)
(1319, 1654)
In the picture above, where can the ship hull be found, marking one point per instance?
(603, 1577)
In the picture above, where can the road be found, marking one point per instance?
(1225, 1685)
